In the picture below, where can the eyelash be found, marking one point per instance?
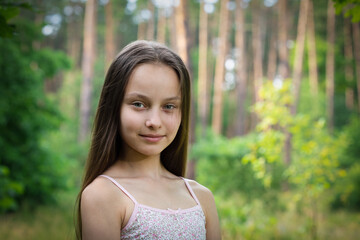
(136, 104)
(167, 107)
(172, 107)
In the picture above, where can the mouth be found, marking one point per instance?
(152, 137)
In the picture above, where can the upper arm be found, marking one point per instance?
(207, 202)
(98, 217)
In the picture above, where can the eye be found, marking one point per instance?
(138, 104)
(169, 107)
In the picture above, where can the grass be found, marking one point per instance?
(45, 222)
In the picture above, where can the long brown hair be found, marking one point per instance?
(106, 142)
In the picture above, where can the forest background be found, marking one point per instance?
(275, 111)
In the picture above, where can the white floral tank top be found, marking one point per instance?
(152, 223)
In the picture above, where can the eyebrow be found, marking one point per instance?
(138, 95)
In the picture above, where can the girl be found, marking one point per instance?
(133, 186)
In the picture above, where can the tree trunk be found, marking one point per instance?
(356, 38)
(349, 74)
(87, 68)
(109, 35)
(241, 69)
(330, 65)
(299, 53)
(283, 38)
(150, 31)
(141, 33)
(271, 68)
(257, 50)
(284, 71)
(161, 26)
(173, 32)
(183, 50)
(202, 81)
(181, 34)
(219, 68)
(313, 72)
(73, 42)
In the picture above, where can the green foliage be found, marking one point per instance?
(7, 12)
(314, 166)
(351, 8)
(253, 167)
(241, 219)
(347, 189)
(314, 152)
(266, 155)
(221, 159)
(28, 171)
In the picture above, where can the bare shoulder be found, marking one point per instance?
(208, 205)
(101, 193)
(100, 211)
(201, 192)
(97, 191)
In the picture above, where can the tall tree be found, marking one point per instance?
(241, 69)
(283, 38)
(87, 67)
(313, 72)
(330, 65)
(73, 42)
(272, 55)
(202, 79)
(219, 68)
(109, 34)
(284, 68)
(299, 53)
(182, 49)
(161, 26)
(173, 32)
(257, 48)
(141, 31)
(349, 73)
(356, 38)
(181, 32)
(150, 30)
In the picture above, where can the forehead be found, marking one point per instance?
(154, 79)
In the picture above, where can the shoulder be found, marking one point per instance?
(101, 206)
(98, 192)
(205, 196)
(208, 205)
(99, 199)
(201, 192)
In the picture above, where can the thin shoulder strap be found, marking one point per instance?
(121, 188)
(191, 191)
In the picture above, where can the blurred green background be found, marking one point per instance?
(280, 151)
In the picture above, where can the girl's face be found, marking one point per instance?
(150, 114)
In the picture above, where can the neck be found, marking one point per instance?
(136, 165)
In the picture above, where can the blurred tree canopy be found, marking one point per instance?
(28, 171)
(350, 7)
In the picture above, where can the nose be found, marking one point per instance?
(153, 120)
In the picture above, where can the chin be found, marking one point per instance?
(150, 152)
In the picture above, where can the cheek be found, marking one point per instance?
(174, 122)
(128, 120)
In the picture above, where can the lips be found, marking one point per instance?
(152, 137)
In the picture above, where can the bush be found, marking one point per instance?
(28, 171)
(347, 189)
